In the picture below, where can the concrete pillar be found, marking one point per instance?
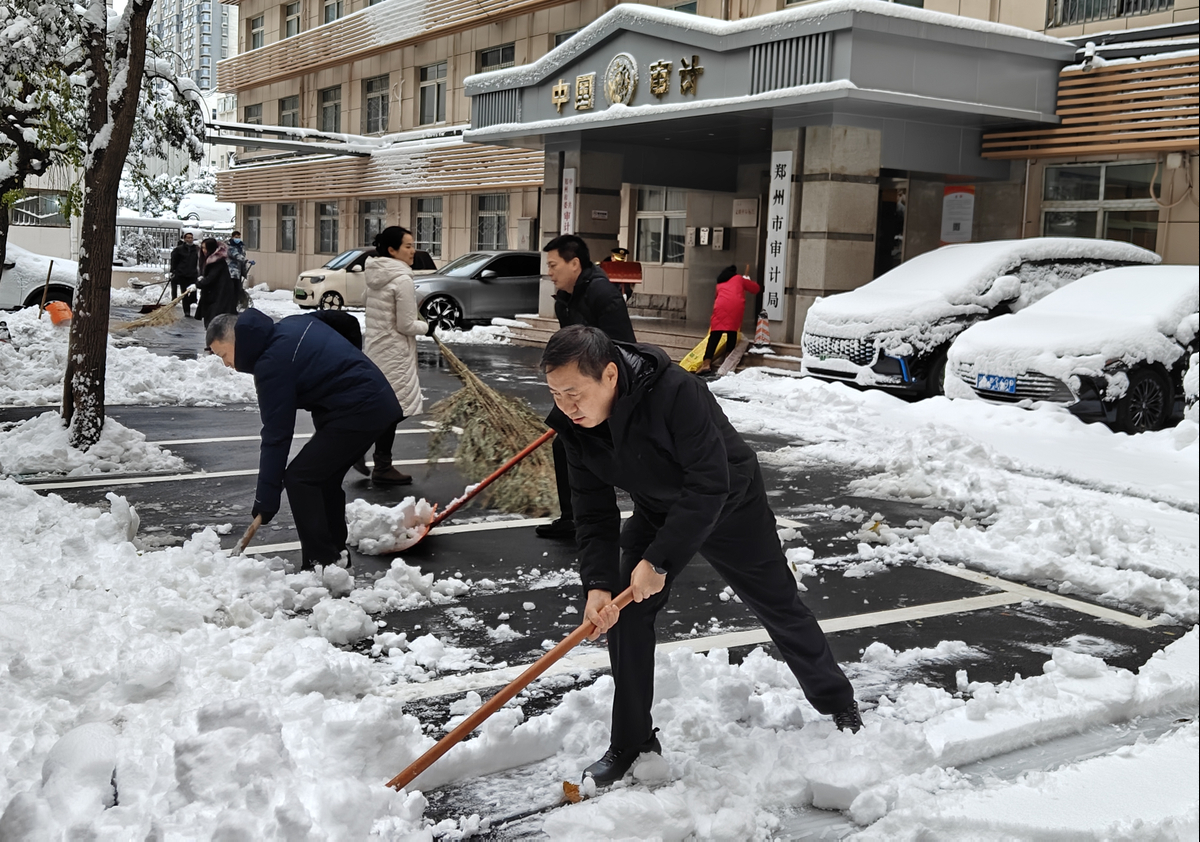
(598, 177)
(838, 209)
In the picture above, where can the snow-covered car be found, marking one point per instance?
(894, 332)
(24, 278)
(340, 282)
(1113, 347)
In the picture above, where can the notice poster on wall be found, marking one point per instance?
(779, 201)
(568, 201)
(958, 213)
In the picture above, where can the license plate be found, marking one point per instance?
(992, 383)
(300, 294)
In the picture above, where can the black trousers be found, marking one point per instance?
(178, 285)
(714, 339)
(383, 448)
(744, 548)
(562, 478)
(313, 481)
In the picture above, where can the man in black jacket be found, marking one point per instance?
(583, 296)
(631, 419)
(185, 269)
(304, 363)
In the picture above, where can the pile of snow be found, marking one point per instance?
(1037, 496)
(32, 367)
(925, 302)
(497, 333)
(1135, 314)
(376, 530)
(39, 445)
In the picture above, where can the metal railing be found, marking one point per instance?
(1068, 12)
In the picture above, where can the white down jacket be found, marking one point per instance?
(393, 326)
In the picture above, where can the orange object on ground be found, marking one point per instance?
(60, 311)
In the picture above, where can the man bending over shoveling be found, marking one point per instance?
(631, 419)
(304, 363)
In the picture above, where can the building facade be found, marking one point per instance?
(199, 33)
(435, 118)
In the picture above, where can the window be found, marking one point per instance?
(433, 93)
(287, 227)
(333, 10)
(331, 109)
(371, 216)
(1066, 12)
(495, 58)
(327, 228)
(563, 36)
(491, 230)
(252, 114)
(1111, 201)
(661, 224)
(375, 105)
(252, 226)
(289, 111)
(258, 32)
(291, 20)
(429, 226)
(40, 208)
(686, 8)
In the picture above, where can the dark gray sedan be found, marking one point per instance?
(480, 286)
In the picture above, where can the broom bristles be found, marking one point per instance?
(495, 427)
(164, 315)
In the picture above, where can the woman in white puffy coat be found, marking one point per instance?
(393, 326)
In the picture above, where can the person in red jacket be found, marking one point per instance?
(727, 313)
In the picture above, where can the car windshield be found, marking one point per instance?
(343, 260)
(465, 266)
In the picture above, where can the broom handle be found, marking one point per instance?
(249, 536)
(495, 475)
(497, 701)
(46, 289)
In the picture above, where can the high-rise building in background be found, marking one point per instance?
(199, 32)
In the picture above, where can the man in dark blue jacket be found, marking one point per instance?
(303, 363)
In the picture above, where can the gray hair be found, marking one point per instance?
(220, 329)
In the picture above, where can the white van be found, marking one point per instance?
(24, 279)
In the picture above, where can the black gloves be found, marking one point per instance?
(266, 516)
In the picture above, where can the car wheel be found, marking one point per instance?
(331, 301)
(63, 294)
(1147, 402)
(935, 375)
(442, 311)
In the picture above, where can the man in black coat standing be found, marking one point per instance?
(630, 419)
(304, 363)
(185, 270)
(583, 296)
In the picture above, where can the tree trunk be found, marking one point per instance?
(109, 129)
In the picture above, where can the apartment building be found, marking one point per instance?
(356, 115)
(199, 33)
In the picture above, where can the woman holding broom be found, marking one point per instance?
(393, 326)
(218, 289)
(728, 310)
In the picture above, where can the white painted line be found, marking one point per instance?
(592, 658)
(406, 432)
(101, 483)
(1036, 595)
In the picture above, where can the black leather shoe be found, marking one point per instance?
(849, 719)
(562, 527)
(616, 762)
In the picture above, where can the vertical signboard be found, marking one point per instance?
(958, 213)
(779, 203)
(568, 201)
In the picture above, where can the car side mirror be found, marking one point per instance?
(487, 274)
(356, 268)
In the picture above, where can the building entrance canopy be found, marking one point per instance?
(929, 82)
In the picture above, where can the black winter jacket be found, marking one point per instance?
(185, 262)
(218, 290)
(595, 302)
(671, 447)
(303, 363)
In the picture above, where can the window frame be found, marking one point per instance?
(327, 222)
(377, 213)
(1100, 206)
(289, 117)
(257, 28)
(383, 96)
(434, 225)
(666, 219)
(252, 226)
(44, 219)
(436, 84)
(482, 66)
(284, 218)
(500, 241)
(336, 5)
(291, 21)
(323, 103)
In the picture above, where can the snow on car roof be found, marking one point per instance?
(951, 281)
(31, 268)
(1134, 313)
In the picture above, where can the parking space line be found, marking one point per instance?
(51, 486)
(1027, 592)
(410, 431)
(598, 659)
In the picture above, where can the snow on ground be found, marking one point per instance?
(32, 366)
(39, 445)
(1039, 495)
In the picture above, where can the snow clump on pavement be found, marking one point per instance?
(375, 529)
(39, 445)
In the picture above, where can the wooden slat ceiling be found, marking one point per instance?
(420, 169)
(374, 30)
(1144, 106)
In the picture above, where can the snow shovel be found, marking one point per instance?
(472, 491)
(497, 701)
(147, 309)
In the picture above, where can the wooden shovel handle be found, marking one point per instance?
(497, 701)
(495, 475)
(249, 536)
